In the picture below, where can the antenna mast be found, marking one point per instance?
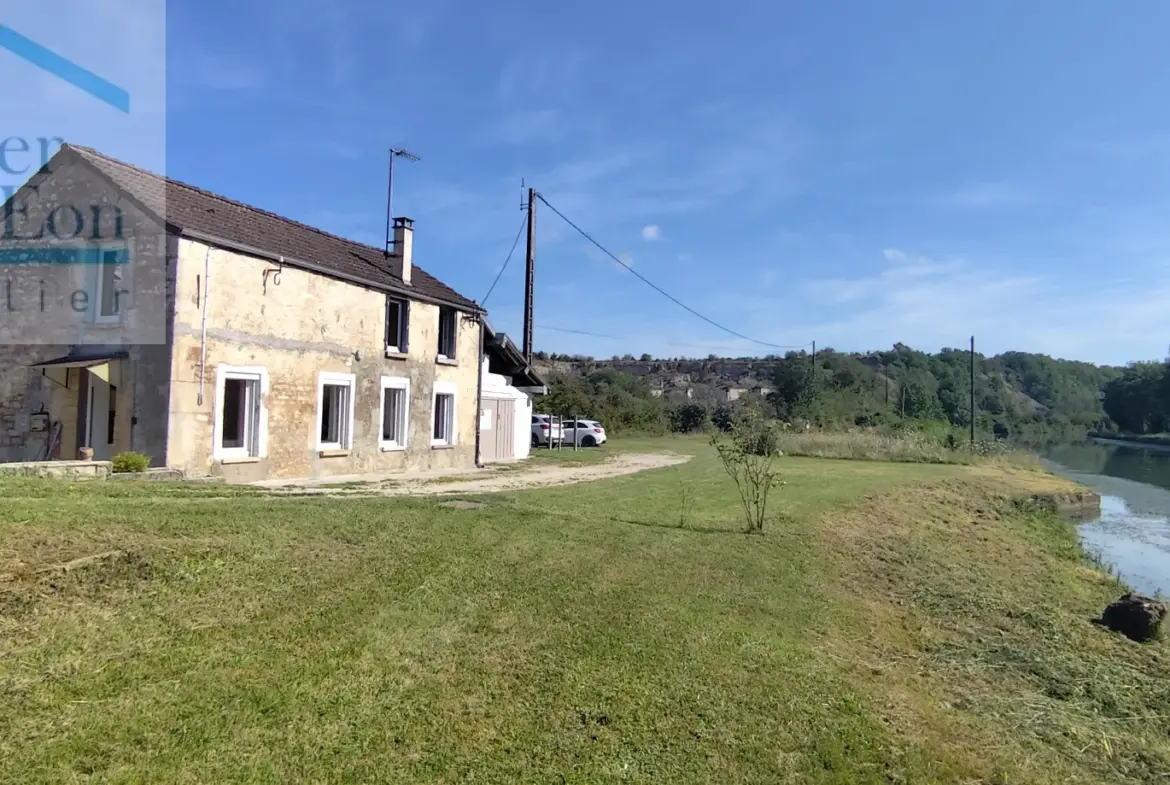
(395, 152)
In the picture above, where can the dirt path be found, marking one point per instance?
(505, 478)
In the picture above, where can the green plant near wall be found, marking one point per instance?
(128, 462)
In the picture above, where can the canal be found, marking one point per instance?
(1133, 531)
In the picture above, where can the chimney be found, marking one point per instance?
(404, 245)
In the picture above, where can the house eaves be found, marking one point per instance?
(192, 212)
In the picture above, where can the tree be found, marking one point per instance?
(647, 357)
(723, 417)
(793, 382)
(919, 401)
(688, 417)
(1136, 401)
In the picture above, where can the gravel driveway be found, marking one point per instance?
(499, 477)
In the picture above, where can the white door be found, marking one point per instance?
(99, 418)
(488, 422)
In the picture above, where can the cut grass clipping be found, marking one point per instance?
(895, 623)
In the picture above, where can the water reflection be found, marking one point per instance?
(1136, 544)
(1123, 461)
(1133, 531)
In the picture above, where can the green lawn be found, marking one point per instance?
(571, 635)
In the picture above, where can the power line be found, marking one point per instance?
(580, 332)
(505, 267)
(665, 343)
(650, 283)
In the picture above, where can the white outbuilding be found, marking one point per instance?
(507, 386)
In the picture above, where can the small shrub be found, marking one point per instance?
(747, 456)
(128, 462)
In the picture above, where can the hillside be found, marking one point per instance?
(1019, 395)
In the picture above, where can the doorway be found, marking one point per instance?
(100, 417)
(497, 424)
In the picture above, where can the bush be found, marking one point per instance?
(747, 456)
(723, 417)
(688, 417)
(129, 462)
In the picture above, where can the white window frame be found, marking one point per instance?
(252, 373)
(344, 380)
(394, 383)
(454, 333)
(445, 388)
(403, 325)
(94, 285)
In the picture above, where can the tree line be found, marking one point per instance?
(1025, 397)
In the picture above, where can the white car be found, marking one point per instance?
(589, 433)
(543, 427)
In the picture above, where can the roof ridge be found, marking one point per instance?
(228, 200)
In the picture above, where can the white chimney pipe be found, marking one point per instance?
(404, 245)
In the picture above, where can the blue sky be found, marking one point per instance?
(852, 173)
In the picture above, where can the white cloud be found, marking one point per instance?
(651, 232)
(929, 304)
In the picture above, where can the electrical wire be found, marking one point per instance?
(653, 285)
(515, 243)
(665, 343)
(577, 332)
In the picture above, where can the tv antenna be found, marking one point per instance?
(395, 152)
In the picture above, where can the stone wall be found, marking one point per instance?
(295, 327)
(49, 310)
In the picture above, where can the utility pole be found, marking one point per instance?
(814, 366)
(972, 389)
(394, 153)
(529, 273)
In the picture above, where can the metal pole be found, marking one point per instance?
(972, 389)
(574, 432)
(389, 194)
(395, 152)
(529, 275)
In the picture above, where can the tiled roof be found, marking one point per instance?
(193, 209)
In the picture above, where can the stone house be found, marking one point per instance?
(223, 339)
(733, 393)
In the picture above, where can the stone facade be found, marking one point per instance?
(49, 310)
(191, 309)
(295, 327)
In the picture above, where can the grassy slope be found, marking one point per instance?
(890, 627)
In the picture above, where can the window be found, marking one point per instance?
(443, 433)
(335, 411)
(397, 325)
(447, 324)
(241, 421)
(395, 412)
(109, 295)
